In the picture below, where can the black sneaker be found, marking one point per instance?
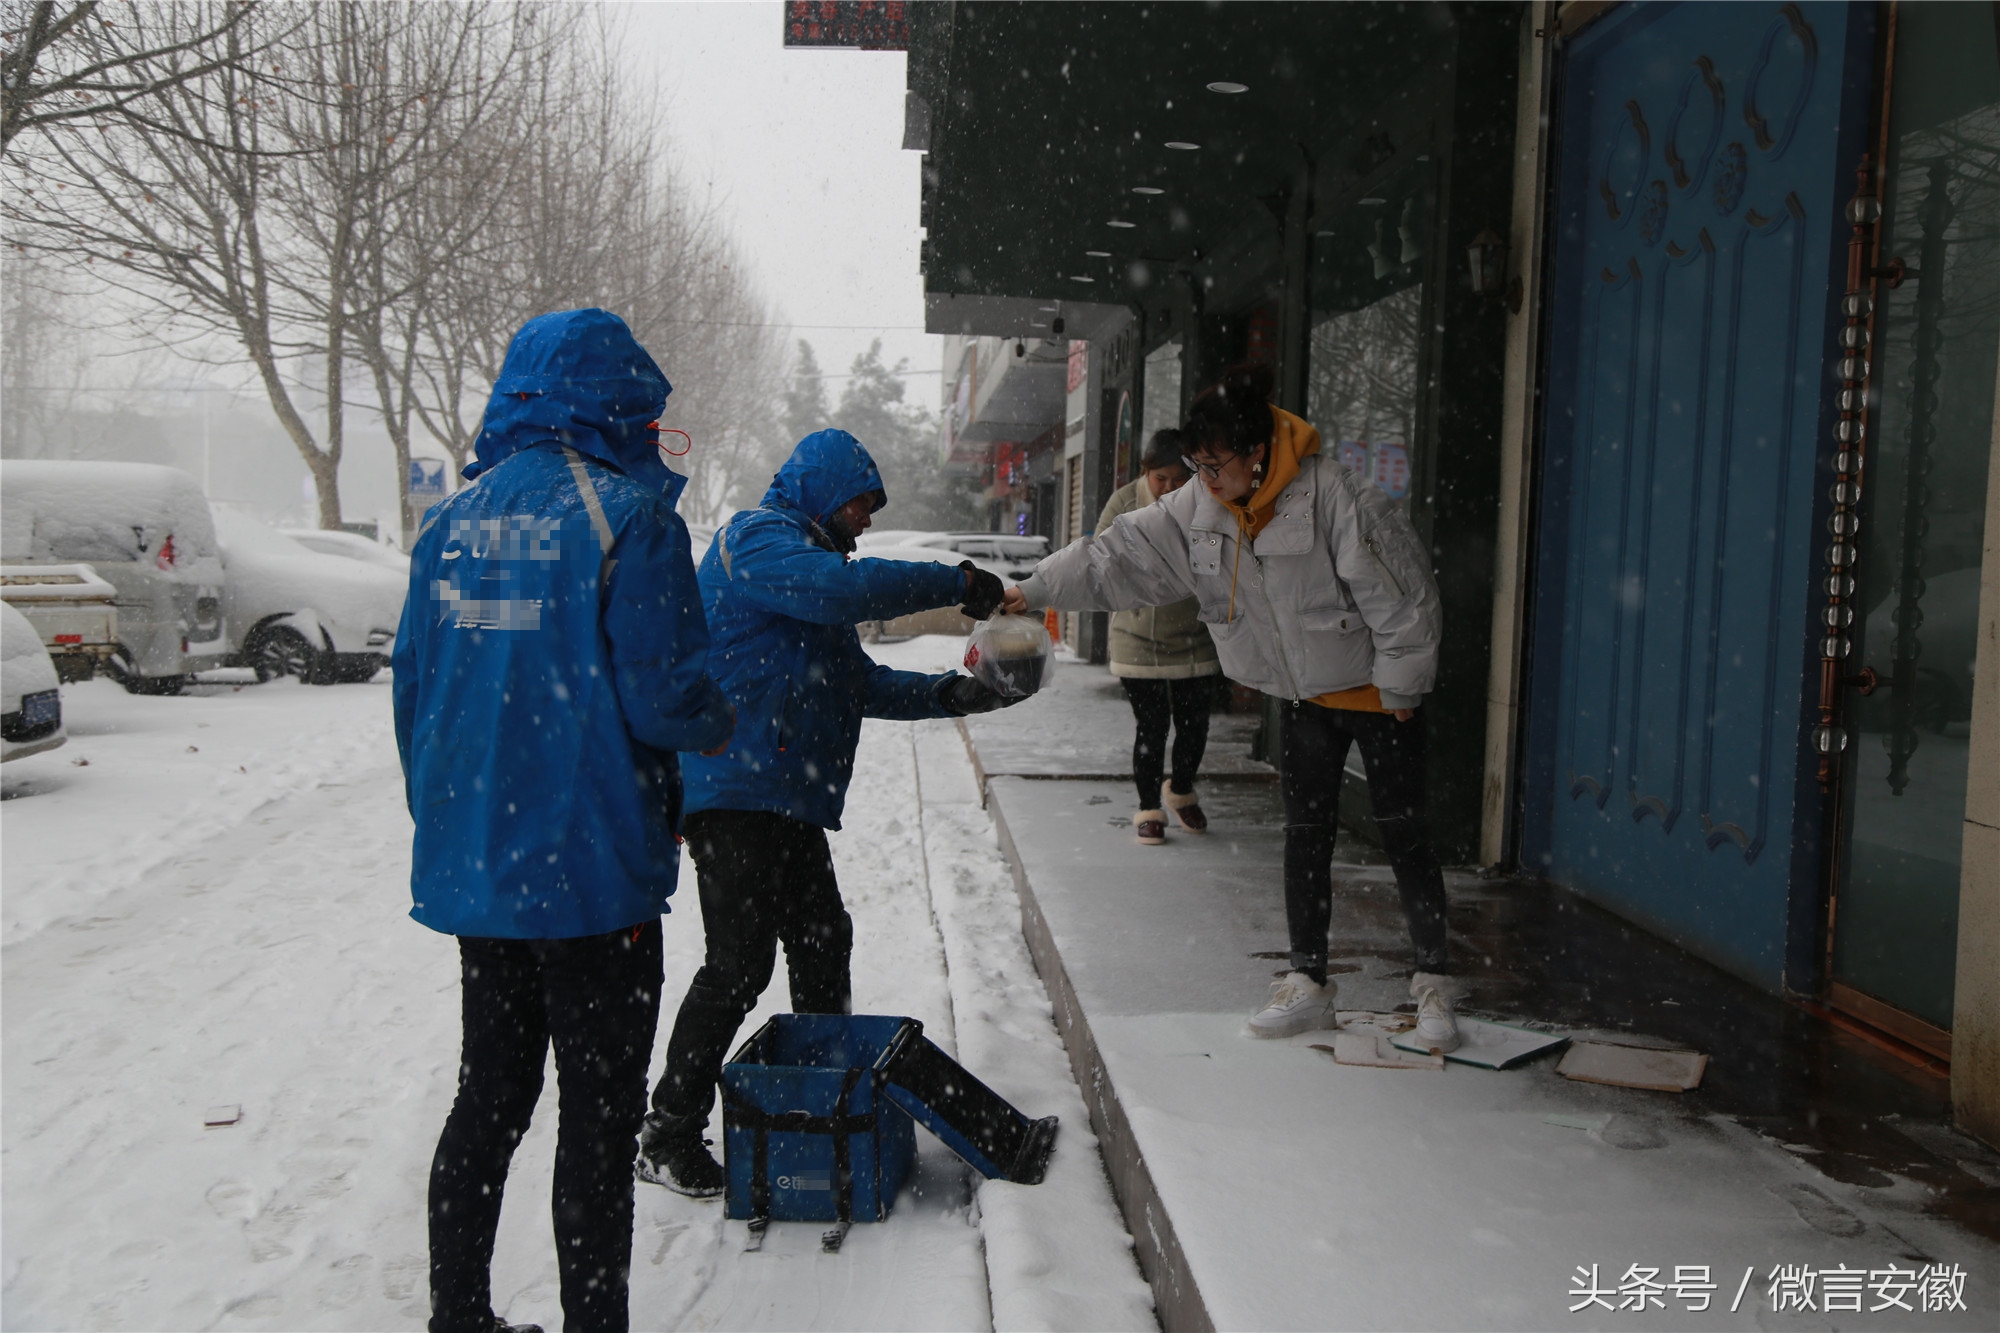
(678, 1158)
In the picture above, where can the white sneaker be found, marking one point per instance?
(1437, 1025)
(1298, 1004)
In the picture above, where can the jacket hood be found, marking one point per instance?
(578, 378)
(825, 471)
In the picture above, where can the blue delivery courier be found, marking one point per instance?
(818, 1113)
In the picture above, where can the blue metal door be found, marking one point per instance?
(1705, 155)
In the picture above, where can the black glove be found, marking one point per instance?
(965, 695)
(983, 591)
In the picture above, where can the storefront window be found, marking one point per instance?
(1937, 349)
(1161, 409)
(1361, 387)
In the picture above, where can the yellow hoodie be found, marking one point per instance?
(1292, 440)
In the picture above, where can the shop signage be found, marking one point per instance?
(1387, 464)
(865, 25)
(427, 479)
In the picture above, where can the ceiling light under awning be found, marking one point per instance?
(1079, 277)
(1182, 146)
(1147, 189)
(1228, 86)
(1120, 222)
(1098, 254)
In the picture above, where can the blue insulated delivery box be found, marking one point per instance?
(808, 1134)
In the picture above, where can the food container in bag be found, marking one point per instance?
(1011, 655)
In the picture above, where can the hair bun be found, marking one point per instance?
(1254, 381)
(1235, 411)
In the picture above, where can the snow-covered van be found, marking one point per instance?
(144, 529)
(31, 713)
(299, 612)
(72, 608)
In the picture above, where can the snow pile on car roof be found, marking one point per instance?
(74, 511)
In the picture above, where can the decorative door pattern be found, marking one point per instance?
(1699, 212)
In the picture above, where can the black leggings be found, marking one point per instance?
(1154, 704)
(598, 999)
(1313, 743)
(764, 878)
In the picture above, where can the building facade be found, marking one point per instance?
(1676, 329)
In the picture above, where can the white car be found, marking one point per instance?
(144, 529)
(298, 612)
(31, 714)
(1012, 558)
(898, 537)
(352, 545)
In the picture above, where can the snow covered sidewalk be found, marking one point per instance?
(1279, 1189)
(228, 926)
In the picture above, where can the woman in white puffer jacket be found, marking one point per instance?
(1317, 590)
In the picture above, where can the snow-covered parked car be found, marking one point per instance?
(297, 612)
(144, 529)
(898, 537)
(940, 620)
(73, 610)
(352, 545)
(31, 714)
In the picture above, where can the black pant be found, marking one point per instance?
(598, 999)
(1313, 744)
(764, 878)
(1154, 702)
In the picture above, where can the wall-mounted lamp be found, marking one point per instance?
(1406, 231)
(1487, 256)
(1379, 253)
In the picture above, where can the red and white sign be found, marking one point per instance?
(1392, 470)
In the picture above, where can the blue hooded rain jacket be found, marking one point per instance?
(782, 605)
(552, 655)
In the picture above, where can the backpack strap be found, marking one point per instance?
(599, 524)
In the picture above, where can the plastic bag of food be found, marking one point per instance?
(1011, 655)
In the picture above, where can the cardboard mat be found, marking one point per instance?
(1633, 1066)
(1488, 1044)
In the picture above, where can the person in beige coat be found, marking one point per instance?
(1166, 662)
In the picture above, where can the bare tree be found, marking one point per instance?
(414, 179)
(597, 215)
(72, 62)
(377, 195)
(253, 214)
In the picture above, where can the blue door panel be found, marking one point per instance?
(1705, 154)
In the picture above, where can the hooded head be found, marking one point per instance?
(825, 471)
(578, 378)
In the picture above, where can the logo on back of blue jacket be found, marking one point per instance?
(513, 539)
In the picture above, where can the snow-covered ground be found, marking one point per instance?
(211, 911)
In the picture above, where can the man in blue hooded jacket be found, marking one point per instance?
(782, 599)
(551, 661)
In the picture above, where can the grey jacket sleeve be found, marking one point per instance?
(1140, 560)
(1386, 568)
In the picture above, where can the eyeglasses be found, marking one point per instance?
(1209, 470)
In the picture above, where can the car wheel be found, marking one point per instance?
(283, 651)
(122, 669)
